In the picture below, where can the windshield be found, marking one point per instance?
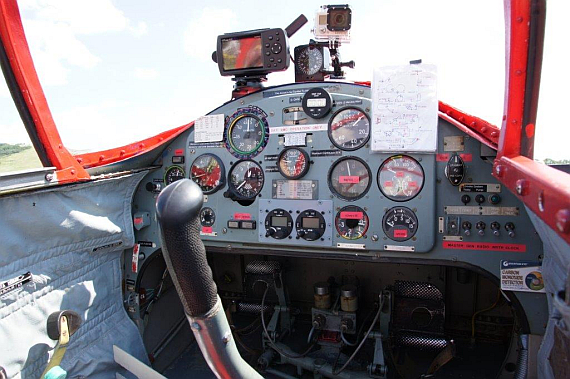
(118, 72)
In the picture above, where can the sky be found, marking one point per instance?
(115, 72)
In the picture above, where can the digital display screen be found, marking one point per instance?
(241, 53)
(310, 222)
(278, 221)
(316, 103)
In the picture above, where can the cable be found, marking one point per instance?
(342, 337)
(271, 342)
(363, 339)
(484, 310)
(311, 334)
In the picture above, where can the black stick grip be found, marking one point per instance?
(178, 207)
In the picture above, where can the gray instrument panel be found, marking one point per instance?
(439, 206)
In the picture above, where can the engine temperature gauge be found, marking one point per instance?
(293, 163)
(351, 222)
(173, 173)
(208, 172)
(400, 224)
(400, 178)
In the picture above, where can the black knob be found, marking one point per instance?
(510, 227)
(480, 199)
(270, 232)
(480, 226)
(153, 187)
(496, 227)
(466, 226)
(465, 199)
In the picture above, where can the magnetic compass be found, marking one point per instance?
(309, 63)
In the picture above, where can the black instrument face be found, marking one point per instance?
(400, 178)
(310, 60)
(400, 224)
(246, 179)
(208, 172)
(278, 224)
(207, 216)
(310, 225)
(351, 222)
(247, 132)
(173, 173)
(349, 129)
(349, 178)
(293, 163)
(317, 103)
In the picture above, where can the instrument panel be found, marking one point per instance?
(294, 174)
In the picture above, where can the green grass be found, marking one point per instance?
(21, 159)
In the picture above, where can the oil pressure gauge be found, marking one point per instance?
(400, 224)
(293, 163)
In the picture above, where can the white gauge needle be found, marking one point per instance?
(242, 184)
(348, 167)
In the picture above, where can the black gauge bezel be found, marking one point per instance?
(305, 170)
(390, 197)
(364, 142)
(222, 173)
(281, 232)
(310, 234)
(308, 50)
(169, 168)
(213, 214)
(251, 111)
(236, 194)
(329, 179)
(317, 112)
(353, 208)
(391, 211)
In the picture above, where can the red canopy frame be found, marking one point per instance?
(544, 190)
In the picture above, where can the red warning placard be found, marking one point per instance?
(400, 233)
(348, 179)
(242, 216)
(351, 215)
(507, 247)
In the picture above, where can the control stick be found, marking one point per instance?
(178, 207)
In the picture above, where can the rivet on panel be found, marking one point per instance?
(519, 19)
(122, 152)
(518, 72)
(483, 129)
(521, 187)
(101, 158)
(499, 171)
(494, 134)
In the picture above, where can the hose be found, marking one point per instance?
(363, 339)
(271, 342)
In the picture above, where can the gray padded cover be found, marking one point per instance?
(70, 239)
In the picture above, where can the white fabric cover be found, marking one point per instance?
(71, 240)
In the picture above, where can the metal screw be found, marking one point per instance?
(49, 177)
(227, 338)
(196, 326)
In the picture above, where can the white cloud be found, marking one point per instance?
(145, 73)
(201, 33)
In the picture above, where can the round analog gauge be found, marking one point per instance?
(246, 179)
(208, 172)
(293, 163)
(310, 61)
(400, 178)
(400, 224)
(349, 129)
(349, 178)
(173, 173)
(207, 216)
(247, 132)
(278, 224)
(351, 222)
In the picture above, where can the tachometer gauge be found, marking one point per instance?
(247, 132)
(208, 172)
(173, 173)
(349, 128)
(349, 178)
(293, 163)
(246, 179)
(400, 178)
(310, 60)
(351, 222)
(400, 224)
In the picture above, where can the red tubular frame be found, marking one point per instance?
(18, 53)
(545, 190)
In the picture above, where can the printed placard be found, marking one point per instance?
(522, 276)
